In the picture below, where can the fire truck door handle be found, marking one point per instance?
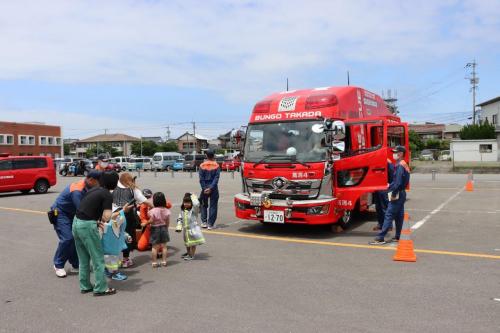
(378, 170)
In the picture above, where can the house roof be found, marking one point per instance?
(427, 128)
(452, 128)
(110, 138)
(491, 101)
(197, 136)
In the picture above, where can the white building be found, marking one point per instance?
(474, 150)
(121, 142)
(490, 110)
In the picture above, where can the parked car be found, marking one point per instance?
(178, 165)
(219, 159)
(231, 164)
(24, 173)
(165, 160)
(193, 162)
(427, 155)
(139, 163)
(122, 161)
(444, 155)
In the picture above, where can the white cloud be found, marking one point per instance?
(239, 48)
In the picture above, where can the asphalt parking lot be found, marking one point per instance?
(251, 277)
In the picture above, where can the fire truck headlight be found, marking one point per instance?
(318, 210)
(240, 205)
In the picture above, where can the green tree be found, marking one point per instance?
(483, 130)
(416, 143)
(169, 146)
(67, 149)
(102, 148)
(149, 148)
(433, 144)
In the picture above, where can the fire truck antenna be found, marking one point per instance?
(286, 84)
(348, 79)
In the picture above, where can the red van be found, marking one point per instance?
(24, 173)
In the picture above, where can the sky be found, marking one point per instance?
(142, 67)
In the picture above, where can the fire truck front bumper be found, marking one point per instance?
(317, 211)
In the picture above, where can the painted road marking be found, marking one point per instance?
(496, 299)
(313, 242)
(435, 211)
(23, 210)
(453, 211)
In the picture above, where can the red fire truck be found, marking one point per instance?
(314, 156)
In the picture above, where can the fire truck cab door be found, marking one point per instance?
(358, 174)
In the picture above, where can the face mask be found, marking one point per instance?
(395, 156)
(104, 164)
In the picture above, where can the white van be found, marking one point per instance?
(122, 161)
(165, 160)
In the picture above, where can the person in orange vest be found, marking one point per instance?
(209, 181)
(397, 196)
(64, 210)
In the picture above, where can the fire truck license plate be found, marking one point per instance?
(274, 216)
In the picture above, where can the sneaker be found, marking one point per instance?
(188, 258)
(118, 276)
(127, 263)
(204, 225)
(211, 227)
(378, 242)
(184, 255)
(394, 239)
(376, 228)
(74, 270)
(60, 272)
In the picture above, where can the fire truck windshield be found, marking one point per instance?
(293, 139)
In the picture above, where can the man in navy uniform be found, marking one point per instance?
(209, 179)
(66, 205)
(381, 199)
(396, 196)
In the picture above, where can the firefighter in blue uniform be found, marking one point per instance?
(64, 210)
(396, 196)
(209, 179)
(381, 200)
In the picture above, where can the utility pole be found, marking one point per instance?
(195, 150)
(168, 134)
(474, 80)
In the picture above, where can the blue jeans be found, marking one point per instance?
(381, 203)
(208, 207)
(395, 212)
(66, 250)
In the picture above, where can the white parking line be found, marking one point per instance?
(435, 211)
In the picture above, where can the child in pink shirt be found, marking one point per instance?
(159, 219)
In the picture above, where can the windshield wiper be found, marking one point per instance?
(293, 159)
(271, 156)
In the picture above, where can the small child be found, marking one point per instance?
(159, 219)
(113, 242)
(187, 222)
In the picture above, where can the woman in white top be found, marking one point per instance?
(125, 192)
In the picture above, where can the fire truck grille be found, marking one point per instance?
(297, 190)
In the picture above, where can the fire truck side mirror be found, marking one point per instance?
(338, 130)
(338, 146)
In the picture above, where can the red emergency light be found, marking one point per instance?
(262, 107)
(320, 101)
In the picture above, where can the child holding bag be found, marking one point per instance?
(187, 222)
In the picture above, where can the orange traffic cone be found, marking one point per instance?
(405, 252)
(469, 186)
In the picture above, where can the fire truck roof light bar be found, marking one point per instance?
(320, 101)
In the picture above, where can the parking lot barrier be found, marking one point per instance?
(433, 175)
(172, 173)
